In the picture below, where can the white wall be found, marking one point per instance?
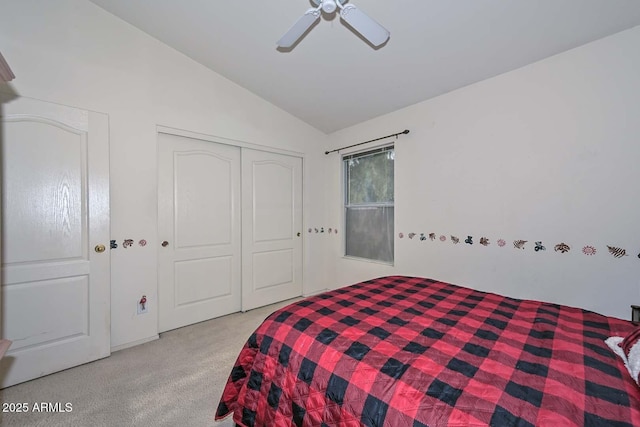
(548, 153)
(72, 52)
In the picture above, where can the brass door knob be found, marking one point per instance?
(165, 244)
(99, 248)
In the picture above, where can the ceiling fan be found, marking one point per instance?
(375, 33)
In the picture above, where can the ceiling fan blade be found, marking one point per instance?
(299, 28)
(366, 26)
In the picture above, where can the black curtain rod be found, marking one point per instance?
(404, 132)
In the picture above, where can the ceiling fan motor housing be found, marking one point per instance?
(329, 6)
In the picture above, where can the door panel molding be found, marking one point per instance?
(274, 285)
(271, 226)
(56, 292)
(199, 270)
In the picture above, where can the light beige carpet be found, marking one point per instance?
(176, 380)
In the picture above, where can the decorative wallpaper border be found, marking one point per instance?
(520, 244)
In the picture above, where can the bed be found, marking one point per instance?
(407, 351)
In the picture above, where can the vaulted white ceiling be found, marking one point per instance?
(333, 79)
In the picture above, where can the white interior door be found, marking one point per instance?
(55, 213)
(199, 219)
(271, 228)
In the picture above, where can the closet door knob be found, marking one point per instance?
(165, 244)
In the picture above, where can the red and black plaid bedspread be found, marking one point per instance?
(410, 352)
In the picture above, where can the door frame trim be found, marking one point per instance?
(233, 142)
(243, 144)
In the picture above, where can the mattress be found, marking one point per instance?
(409, 351)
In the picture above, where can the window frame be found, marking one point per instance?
(345, 200)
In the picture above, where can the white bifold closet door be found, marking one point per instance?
(199, 224)
(218, 228)
(271, 228)
(55, 238)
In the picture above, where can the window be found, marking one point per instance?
(368, 205)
